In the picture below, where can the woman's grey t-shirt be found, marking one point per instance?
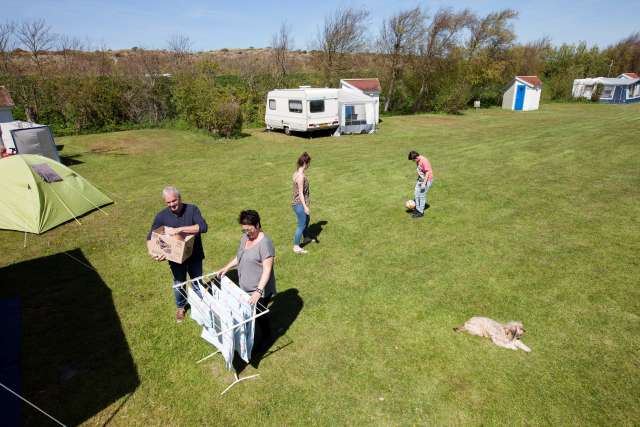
(250, 265)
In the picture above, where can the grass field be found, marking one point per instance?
(534, 216)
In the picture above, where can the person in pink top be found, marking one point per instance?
(423, 183)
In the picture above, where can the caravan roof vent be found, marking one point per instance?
(304, 87)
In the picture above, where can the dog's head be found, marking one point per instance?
(514, 329)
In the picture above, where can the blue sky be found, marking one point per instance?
(213, 24)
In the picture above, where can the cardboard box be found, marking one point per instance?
(175, 248)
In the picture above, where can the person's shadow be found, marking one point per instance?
(283, 311)
(313, 231)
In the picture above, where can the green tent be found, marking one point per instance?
(38, 194)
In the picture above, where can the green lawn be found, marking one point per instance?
(534, 216)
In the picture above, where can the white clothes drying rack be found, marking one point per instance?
(200, 282)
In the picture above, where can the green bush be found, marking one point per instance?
(227, 119)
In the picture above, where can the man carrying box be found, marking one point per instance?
(180, 219)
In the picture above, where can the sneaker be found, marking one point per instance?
(300, 251)
(180, 315)
(417, 214)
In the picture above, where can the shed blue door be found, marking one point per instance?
(520, 90)
(618, 94)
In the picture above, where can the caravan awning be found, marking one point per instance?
(354, 97)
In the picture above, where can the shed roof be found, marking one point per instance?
(5, 98)
(530, 80)
(365, 85)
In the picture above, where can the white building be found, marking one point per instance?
(522, 94)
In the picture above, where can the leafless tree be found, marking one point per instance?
(343, 33)
(37, 38)
(70, 48)
(7, 45)
(442, 36)
(398, 41)
(281, 44)
(104, 61)
(181, 46)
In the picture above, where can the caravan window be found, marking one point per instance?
(316, 106)
(272, 104)
(295, 106)
(607, 92)
(636, 90)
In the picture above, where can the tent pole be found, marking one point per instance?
(65, 205)
(94, 205)
(25, 240)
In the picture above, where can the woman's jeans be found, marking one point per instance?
(179, 271)
(421, 195)
(303, 223)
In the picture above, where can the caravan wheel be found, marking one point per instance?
(287, 131)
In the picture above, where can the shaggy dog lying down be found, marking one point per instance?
(505, 335)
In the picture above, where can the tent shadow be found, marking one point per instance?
(74, 360)
(71, 160)
(283, 311)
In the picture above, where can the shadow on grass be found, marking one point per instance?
(283, 311)
(313, 231)
(74, 360)
(71, 160)
(321, 133)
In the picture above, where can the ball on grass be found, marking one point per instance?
(411, 204)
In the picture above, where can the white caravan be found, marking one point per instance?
(309, 109)
(304, 110)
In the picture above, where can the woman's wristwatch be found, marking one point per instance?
(260, 291)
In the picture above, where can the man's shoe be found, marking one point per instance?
(417, 214)
(180, 315)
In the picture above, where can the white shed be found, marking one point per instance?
(522, 94)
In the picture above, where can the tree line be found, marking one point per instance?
(426, 62)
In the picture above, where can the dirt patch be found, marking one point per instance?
(126, 145)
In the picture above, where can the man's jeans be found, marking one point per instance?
(421, 195)
(303, 223)
(194, 268)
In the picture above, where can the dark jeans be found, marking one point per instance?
(194, 268)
